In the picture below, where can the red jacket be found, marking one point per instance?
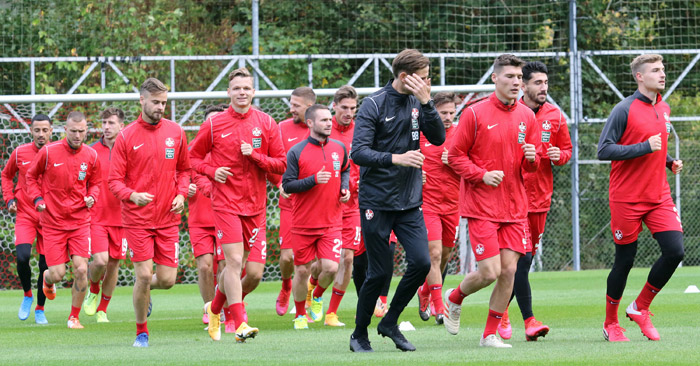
(489, 137)
(19, 162)
(150, 158)
(200, 211)
(107, 209)
(245, 192)
(441, 188)
(553, 132)
(291, 134)
(61, 177)
(344, 134)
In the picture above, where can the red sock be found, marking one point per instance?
(646, 296)
(382, 299)
(237, 312)
(243, 273)
(94, 287)
(335, 300)
(436, 298)
(492, 322)
(28, 293)
(457, 296)
(142, 328)
(424, 290)
(286, 284)
(314, 281)
(39, 307)
(218, 302)
(104, 302)
(244, 294)
(318, 291)
(611, 306)
(75, 312)
(227, 314)
(300, 306)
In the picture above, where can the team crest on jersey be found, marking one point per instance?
(335, 156)
(480, 249)
(415, 113)
(83, 167)
(219, 234)
(546, 125)
(522, 127)
(369, 214)
(521, 134)
(666, 117)
(618, 234)
(169, 142)
(257, 132)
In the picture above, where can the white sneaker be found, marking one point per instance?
(452, 314)
(492, 341)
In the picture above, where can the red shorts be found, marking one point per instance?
(162, 245)
(626, 219)
(26, 231)
(60, 245)
(352, 232)
(203, 240)
(487, 238)
(536, 221)
(285, 228)
(104, 238)
(249, 230)
(324, 244)
(442, 227)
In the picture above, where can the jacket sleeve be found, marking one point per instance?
(457, 153)
(608, 147)
(274, 161)
(8, 175)
(290, 180)
(203, 184)
(431, 125)
(95, 181)
(183, 166)
(36, 169)
(199, 148)
(117, 171)
(363, 138)
(532, 137)
(345, 174)
(563, 142)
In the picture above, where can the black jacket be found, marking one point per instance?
(387, 123)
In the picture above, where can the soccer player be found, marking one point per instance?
(27, 227)
(293, 131)
(635, 138)
(64, 181)
(386, 147)
(317, 176)
(440, 209)
(150, 175)
(494, 141)
(107, 243)
(555, 148)
(245, 146)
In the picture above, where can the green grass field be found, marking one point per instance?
(571, 303)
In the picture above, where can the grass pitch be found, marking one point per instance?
(571, 303)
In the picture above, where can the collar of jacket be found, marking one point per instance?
(393, 92)
(534, 110)
(232, 112)
(497, 102)
(68, 148)
(643, 98)
(316, 142)
(341, 127)
(147, 125)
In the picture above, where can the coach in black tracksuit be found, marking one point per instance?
(386, 146)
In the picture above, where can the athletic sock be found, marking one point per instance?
(227, 314)
(383, 299)
(318, 291)
(611, 306)
(436, 298)
(244, 294)
(287, 284)
(94, 287)
(28, 293)
(424, 289)
(492, 322)
(74, 312)
(142, 328)
(39, 307)
(104, 302)
(646, 296)
(336, 297)
(218, 302)
(457, 296)
(313, 281)
(237, 312)
(300, 306)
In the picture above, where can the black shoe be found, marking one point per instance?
(360, 344)
(439, 319)
(394, 333)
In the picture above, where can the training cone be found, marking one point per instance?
(692, 289)
(404, 326)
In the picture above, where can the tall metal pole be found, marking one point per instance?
(575, 109)
(256, 44)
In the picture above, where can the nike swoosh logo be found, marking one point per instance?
(292, 139)
(223, 136)
(490, 126)
(137, 147)
(387, 119)
(428, 144)
(26, 162)
(57, 164)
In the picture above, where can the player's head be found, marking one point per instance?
(302, 98)
(446, 105)
(154, 96)
(241, 89)
(112, 122)
(213, 110)
(535, 82)
(320, 121)
(649, 72)
(507, 75)
(345, 104)
(41, 129)
(409, 62)
(76, 129)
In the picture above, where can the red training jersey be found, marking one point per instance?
(291, 134)
(245, 192)
(107, 209)
(489, 137)
(441, 188)
(153, 159)
(344, 134)
(19, 162)
(200, 211)
(61, 178)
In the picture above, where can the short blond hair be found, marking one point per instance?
(639, 61)
(240, 72)
(76, 116)
(153, 86)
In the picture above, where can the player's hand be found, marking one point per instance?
(444, 157)
(424, 177)
(178, 204)
(530, 153)
(411, 158)
(284, 194)
(221, 174)
(141, 199)
(322, 177)
(246, 148)
(677, 166)
(12, 207)
(344, 195)
(41, 208)
(418, 87)
(655, 142)
(89, 201)
(191, 190)
(493, 178)
(554, 153)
